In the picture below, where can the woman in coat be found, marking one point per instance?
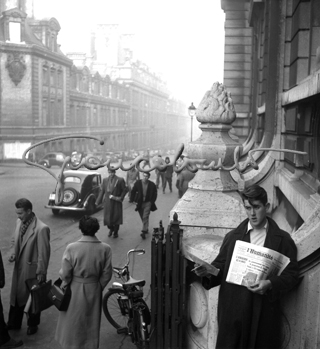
(113, 191)
(86, 265)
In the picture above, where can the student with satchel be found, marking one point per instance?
(87, 267)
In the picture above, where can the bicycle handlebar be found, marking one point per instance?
(141, 251)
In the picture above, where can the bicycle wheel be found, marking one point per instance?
(141, 315)
(117, 317)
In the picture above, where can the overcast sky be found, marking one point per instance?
(181, 39)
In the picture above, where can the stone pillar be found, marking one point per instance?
(210, 207)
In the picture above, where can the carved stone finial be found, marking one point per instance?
(216, 106)
(16, 67)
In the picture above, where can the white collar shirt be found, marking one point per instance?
(258, 236)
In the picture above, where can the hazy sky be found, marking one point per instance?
(181, 39)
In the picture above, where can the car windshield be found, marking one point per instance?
(72, 180)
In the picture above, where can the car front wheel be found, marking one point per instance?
(45, 164)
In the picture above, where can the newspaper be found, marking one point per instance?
(251, 263)
(210, 268)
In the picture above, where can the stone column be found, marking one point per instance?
(210, 207)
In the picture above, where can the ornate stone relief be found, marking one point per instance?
(216, 106)
(16, 67)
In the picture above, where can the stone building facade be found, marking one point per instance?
(46, 94)
(272, 69)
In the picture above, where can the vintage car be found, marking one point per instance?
(81, 189)
(52, 159)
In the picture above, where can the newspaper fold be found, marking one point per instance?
(251, 263)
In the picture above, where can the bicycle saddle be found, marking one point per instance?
(134, 282)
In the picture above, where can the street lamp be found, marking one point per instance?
(192, 112)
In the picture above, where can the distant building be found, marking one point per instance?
(45, 93)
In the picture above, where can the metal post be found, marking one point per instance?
(191, 126)
(192, 111)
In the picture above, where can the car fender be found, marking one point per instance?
(88, 198)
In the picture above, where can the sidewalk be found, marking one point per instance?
(129, 237)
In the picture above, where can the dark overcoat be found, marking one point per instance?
(245, 319)
(137, 194)
(113, 213)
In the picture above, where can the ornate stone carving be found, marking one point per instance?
(16, 67)
(216, 106)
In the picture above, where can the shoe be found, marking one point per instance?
(10, 327)
(32, 330)
(110, 233)
(115, 235)
(143, 235)
(12, 343)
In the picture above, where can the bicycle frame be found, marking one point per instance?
(129, 298)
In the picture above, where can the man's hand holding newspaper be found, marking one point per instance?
(252, 265)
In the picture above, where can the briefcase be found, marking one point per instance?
(59, 297)
(39, 295)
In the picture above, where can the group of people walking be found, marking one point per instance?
(249, 316)
(86, 266)
(142, 192)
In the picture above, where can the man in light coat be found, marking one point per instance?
(113, 191)
(30, 254)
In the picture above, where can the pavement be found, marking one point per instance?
(140, 268)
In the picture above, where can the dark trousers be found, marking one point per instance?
(16, 316)
(4, 335)
(114, 227)
(144, 213)
(169, 181)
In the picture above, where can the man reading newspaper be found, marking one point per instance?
(249, 313)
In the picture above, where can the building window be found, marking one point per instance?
(302, 124)
(45, 111)
(52, 77)
(15, 32)
(60, 76)
(51, 112)
(45, 76)
(59, 112)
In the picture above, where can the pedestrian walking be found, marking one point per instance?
(5, 340)
(168, 173)
(159, 174)
(30, 254)
(113, 191)
(183, 179)
(144, 194)
(87, 267)
(132, 176)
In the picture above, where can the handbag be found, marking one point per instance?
(60, 297)
(38, 295)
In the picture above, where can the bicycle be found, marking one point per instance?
(124, 306)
